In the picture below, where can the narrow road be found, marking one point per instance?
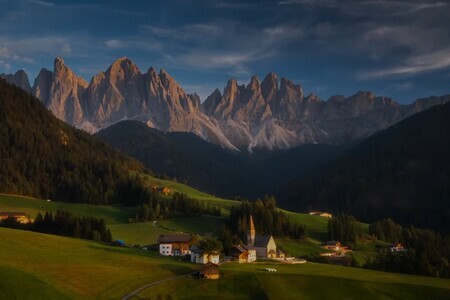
(132, 294)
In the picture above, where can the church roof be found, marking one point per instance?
(262, 240)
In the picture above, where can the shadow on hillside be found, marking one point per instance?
(179, 269)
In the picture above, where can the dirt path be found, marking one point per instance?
(132, 294)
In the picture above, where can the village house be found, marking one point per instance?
(320, 213)
(209, 271)
(199, 256)
(264, 245)
(243, 254)
(161, 189)
(174, 244)
(397, 247)
(332, 245)
(20, 217)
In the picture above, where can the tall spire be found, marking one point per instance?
(251, 232)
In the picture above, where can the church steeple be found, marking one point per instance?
(251, 232)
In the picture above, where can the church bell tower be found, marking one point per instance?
(251, 232)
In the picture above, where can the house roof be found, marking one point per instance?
(262, 240)
(238, 250)
(174, 238)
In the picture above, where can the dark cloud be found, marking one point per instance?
(338, 47)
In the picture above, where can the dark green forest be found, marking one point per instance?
(427, 252)
(43, 157)
(210, 168)
(66, 224)
(401, 173)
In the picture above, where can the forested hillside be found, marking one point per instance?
(43, 157)
(401, 173)
(208, 167)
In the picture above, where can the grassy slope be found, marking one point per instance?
(53, 267)
(307, 281)
(225, 204)
(31, 206)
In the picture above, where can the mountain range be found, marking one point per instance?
(269, 114)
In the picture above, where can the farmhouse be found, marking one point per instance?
(243, 254)
(161, 189)
(199, 256)
(20, 217)
(264, 245)
(174, 244)
(320, 213)
(397, 247)
(209, 271)
(332, 245)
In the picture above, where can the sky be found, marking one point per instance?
(399, 49)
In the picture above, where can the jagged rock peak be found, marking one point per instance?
(59, 65)
(254, 84)
(269, 86)
(125, 64)
(166, 79)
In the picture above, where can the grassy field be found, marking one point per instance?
(300, 248)
(198, 225)
(54, 267)
(31, 206)
(306, 281)
(225, 204)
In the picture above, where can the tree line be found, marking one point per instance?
(66, 224)
(267, 219)
(344, 228)
(158, 208)
(427, 252)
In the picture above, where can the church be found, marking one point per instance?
(263, 244)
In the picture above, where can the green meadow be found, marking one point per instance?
(305, 281)
(53, 267)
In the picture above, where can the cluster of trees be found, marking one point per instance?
(210, 246)
(66, 224)
(344, 228)
(427, 252)
(157, 208)
(386, 230)
(43, 157)
(267, 218)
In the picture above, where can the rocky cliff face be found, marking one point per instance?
(19, 79)
(271, 114)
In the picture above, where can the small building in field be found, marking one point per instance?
(161, 189)
(243, 254)
(20, 217)
(321, 214)
(199, 256)
(174, 244)
(332, 245)
(210, 271)
(397, 247)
